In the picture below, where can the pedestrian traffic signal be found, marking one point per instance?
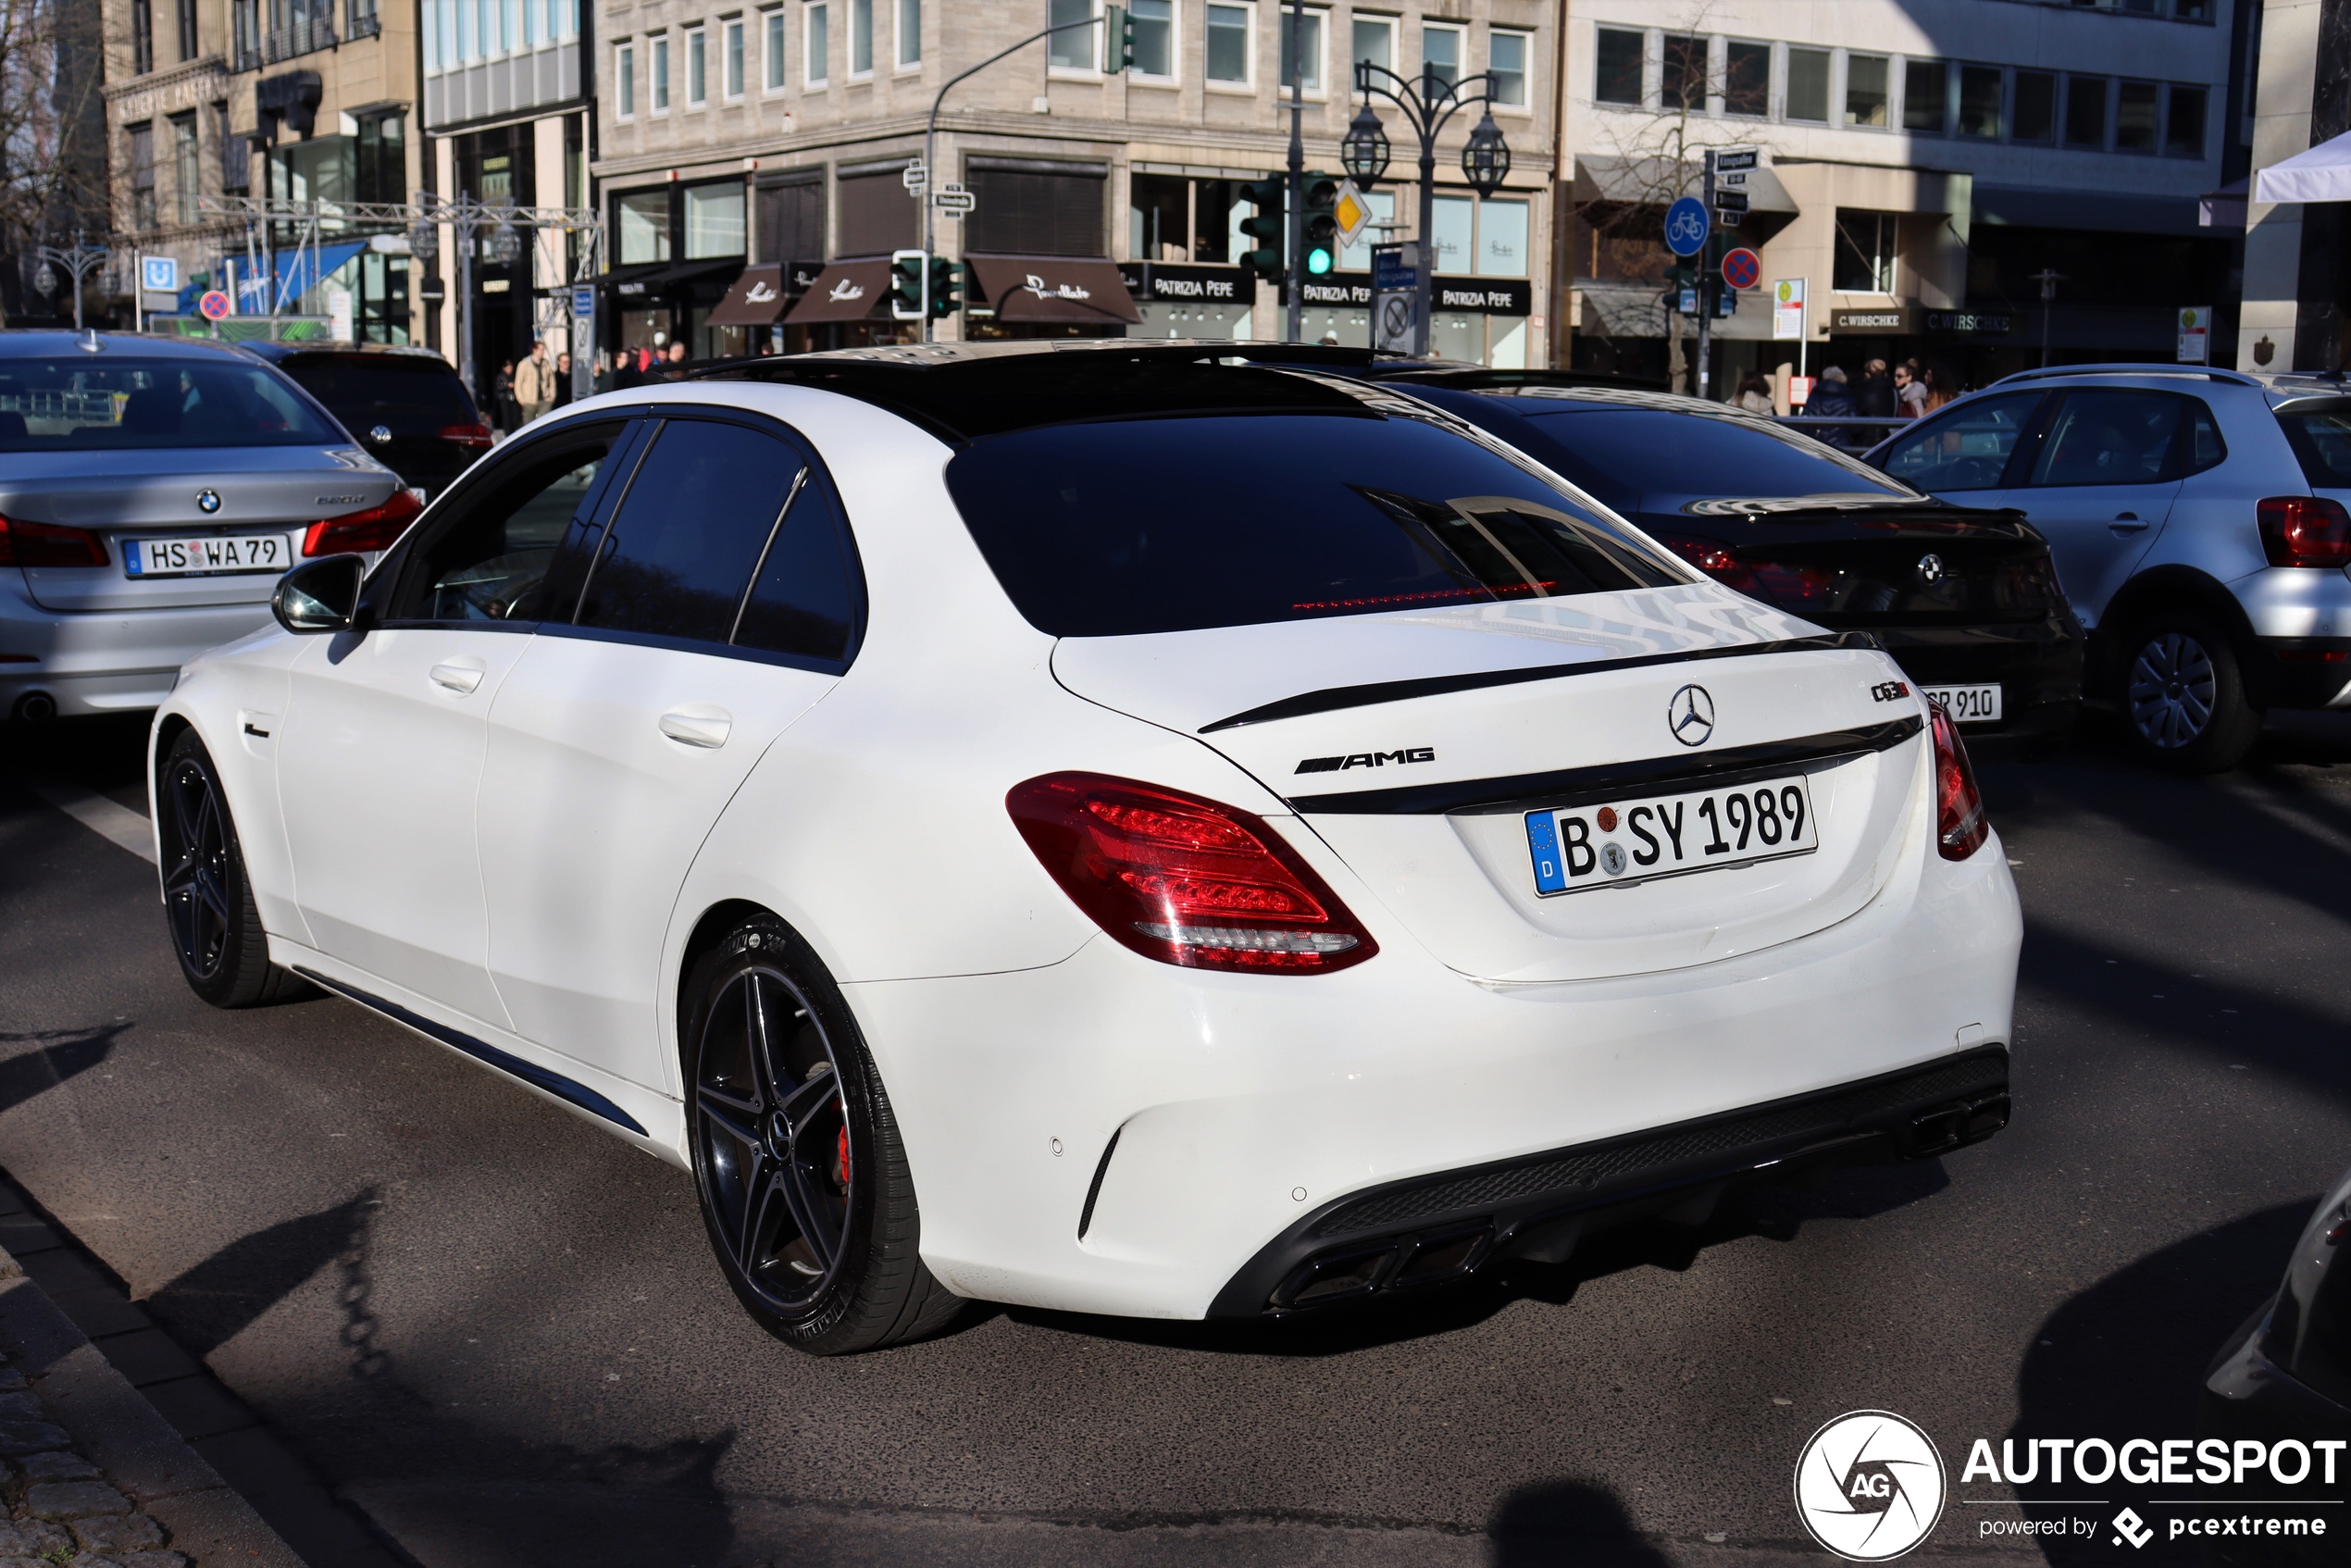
(1266, 195)
(1118, 39)
(906, 285)
(1321, 223)
(945, 281)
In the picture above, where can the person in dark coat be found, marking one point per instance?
(1873, 393)
(1831, 398)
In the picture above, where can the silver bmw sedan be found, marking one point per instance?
(151, 493)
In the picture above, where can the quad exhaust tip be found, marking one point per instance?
(35, 707)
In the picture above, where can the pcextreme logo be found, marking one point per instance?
(1870, 1486)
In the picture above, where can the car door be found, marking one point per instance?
(1963, 456)
(2100, 482)
(723, 601)
(379, 754)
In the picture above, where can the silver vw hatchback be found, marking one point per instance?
(151, 493)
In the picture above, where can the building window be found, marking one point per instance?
(1501, 239)
(1925, 83)
(1374, 41)
(714, 219)
(642, 218)
(2184, 131)
(734, 60)
(1865, 243)
(1808, 85)
(187, 30)
(359, 18)
(1506, 59)
(2034, 115)
(910, 32)
(661, 76)
(818, 47)
(624, 75)
(1441, 53)
(143, 36)
(772, 35)
(1616, 72)
(1228, 57)
(142, 177)
(1453, 233)
(860, 38)
(697, 87)
(1080, 48)
(2135, 110)
(1980, 100)
(1681, 77)
(185, 179)
(236, 161)
(381, 173)
(1154, 36)
(1170, 217)
(1747, 79)
(1865, 90)
(2085, 111)
(1309, 40)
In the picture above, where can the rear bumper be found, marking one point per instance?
(2037, 665)
(111, 660)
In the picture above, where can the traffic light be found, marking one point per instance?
(1118, 39)
(1266, 227)
(946, 280)
(1321, 223)
(906, 285)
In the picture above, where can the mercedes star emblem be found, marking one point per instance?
(380, 434)
(207, 502)
(1690, 715)
(1929, 568)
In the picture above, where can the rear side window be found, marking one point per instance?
(1965, 449)
(363, 389)
(1151, 525)
(804, 600)
(1672, 458)
(2110, 437)
(2321, 440)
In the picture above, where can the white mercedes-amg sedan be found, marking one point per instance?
(1114, 828)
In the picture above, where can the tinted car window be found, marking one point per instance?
(2110, 437)
(109, 404)
(1965, 449)
(675, 557)
(1658, 453)
(492, 562)
(2322, 442)
(405, 391)
(1148, 525)
(805, 600)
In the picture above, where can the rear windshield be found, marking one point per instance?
(363, 389)
(1673, 459)
(1122, 527)
(108, 402)
(2321, 440)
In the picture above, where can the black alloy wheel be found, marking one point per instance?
(802, 1179)
(207, 899)
(2183, 701)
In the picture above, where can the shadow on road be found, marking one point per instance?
(69, 1052)
(1567, 1525)
(210, 1304)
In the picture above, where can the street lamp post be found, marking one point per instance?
(1426, 106)
(77, 258)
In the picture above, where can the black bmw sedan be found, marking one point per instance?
(406, 405)
(1966, 599)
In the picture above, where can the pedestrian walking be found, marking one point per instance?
(1873, 393)
(604, 372)
(534, 383)
(1831, 399)
(563, 380)
(1910, 391)
(673, 366)
(502, 397)
(1754, 395)
(1942, 387)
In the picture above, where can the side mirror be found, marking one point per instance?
(321, 595)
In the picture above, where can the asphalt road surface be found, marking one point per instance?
(498, 1333)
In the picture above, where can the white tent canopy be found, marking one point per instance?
(2322, 174)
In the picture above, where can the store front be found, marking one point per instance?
(846, 305)
(1172, 300)
(1477, 320)
(1046, 296)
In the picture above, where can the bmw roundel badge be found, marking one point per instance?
(207, 502)
(1929, 568)
(1690, 715)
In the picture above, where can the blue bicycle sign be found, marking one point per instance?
(1686, 225)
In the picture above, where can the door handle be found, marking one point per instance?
(464, 679)
(699, 725)
(2126, 522)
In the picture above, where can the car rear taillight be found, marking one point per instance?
(2305, 530)
(1774, 582)
(1960, 826)
(374, 529)
(466, 435)
(46, 544)
(1183, 879)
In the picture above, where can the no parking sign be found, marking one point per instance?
(1742, 269)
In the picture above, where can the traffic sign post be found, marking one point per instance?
(1396, 296)
(954, 201)
(213, 306)
(916, 176)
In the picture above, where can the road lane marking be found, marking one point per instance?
(109, 819)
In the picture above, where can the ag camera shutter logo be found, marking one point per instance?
(1870, 1486)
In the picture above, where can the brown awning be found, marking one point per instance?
(756, 300)
(1054, 288)
(844, 291)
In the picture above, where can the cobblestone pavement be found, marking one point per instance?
(60, 1507)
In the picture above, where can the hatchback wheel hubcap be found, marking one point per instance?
(2173, 690)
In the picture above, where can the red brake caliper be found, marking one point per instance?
(845, 1156)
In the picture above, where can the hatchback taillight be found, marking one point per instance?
(1960, 824)
(2305, 530)
(46, 544)
(374, 529)
(466, 435)
(1183, 879)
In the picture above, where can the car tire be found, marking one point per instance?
(2182, 696)
(208, 897)
(797, 1159)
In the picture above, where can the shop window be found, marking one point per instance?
(1170, 217)
(2135, 114)
(734, 84)
(1310, 49)
(1682, 79)
(771, 28)
(2034, 118)
(1924, 103)
(1227, 55)
(2184, 128)
(792, 218)
(1506, 60)
(642, 219)
(697, 83)
(714, 219)
(1453, 227)
(1080, 48)
(1747, 79)
(877, 217)
(1980, 100)
(1865, 249)
(624, 73)
(860, 38)
(1027, 209)
(1441, 53)
(910, 33)
(818, 47)
(186, 181)
(1501, 239)
(1374, 41)
(142, 177)
(2085, 111)
(1154, 24)
(1808, 85)
(1865, 78)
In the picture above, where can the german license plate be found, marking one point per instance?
(208, 552)
(1969, 704)
(1642, 837)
